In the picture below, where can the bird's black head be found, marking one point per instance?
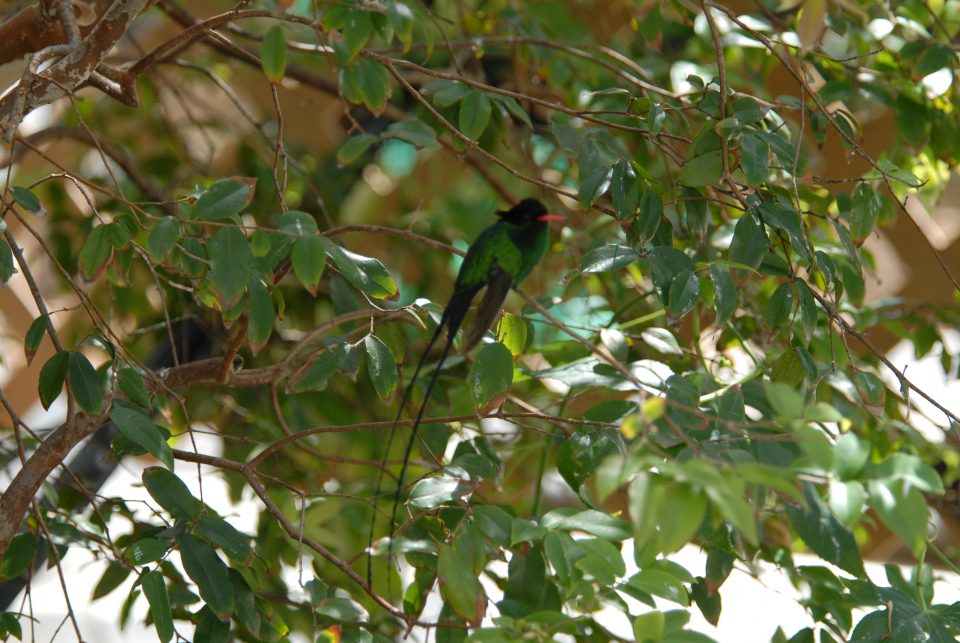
(526, 211)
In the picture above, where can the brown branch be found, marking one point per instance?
(33, 29)
(72, 70)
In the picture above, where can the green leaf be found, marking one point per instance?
(296, 223)
(155, 589)
(747, 111)
(648, 219)
(95, 253)
(865, 209)
(364, 273)
(430, 493)
(786, 401)
(381, 367)
(136, 426)
(625, 189)
(645, 497)
(261, 314)
(512, 333)
(52, 376)
(231, 263)
(170, 493)
(750, 243)
(84, 382)
(595, 523)
(475, 111)
(677, 526)
(724, 293)
(35, 334)
(491, 374)
(459, 586)
(273, 54)
(7, 269)
(593, 186)
(702, 170)
(26, 199)
(210, 628)
(146, 551)
(131, 384)
(20, 554)
(366, 82)
(309, 256)
(205, 568)
(780, 307)
(413, 131)
(221, 533)
(163, 238)
(403, 21)
(824, 534)
(650, 626)
(321, 369)
(684, 291)
(113, 576)
(608, 258)
(356, 32)
(354, 147)
(660, 583)
(755, 158)
(342, 610)
(224, 199)
(904, 510)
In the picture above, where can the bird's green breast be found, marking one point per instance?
(514, 249)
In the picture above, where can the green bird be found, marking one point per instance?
(499, 259)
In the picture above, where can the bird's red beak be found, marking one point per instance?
(551, 217)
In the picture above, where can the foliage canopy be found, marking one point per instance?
(699, 359)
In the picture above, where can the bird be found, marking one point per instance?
(499, 259)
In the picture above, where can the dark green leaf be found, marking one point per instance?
(459, 586)
(414, 132)
(750, 243)
(52, 376)
(702, 170)
(339, 609)
(381, 367)
(607, 258)
(210, 629)
(309, 256)
(19, 555)
(491, 374)
(594, 184)
(625, 189)
(95, 253)
(724, 293)
(403, 21)
(755, 158)
(223, 199)
(356, 32)
(7, 269)
(35, 334)
(366, 82)
(596, 523)
(780, 307)
(84, 382)
(354, 147)
(231, 262)
(131, 384)
(26, 199)
(136, 426)
(747, 111)
(261, 314)
(430, 493)
(316, 374)
(221, 533)
(146, 550)
(296, 223)
(170, 493)
(205, 568)
(684, 291)
(155, 589)
(475, 111)
(648, 219)
(864, 211)
(163, 238)
(113, 577)
(364, 273)
(273, 53)
(660, 583)
(824, 534)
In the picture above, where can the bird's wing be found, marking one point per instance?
(498, 287)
